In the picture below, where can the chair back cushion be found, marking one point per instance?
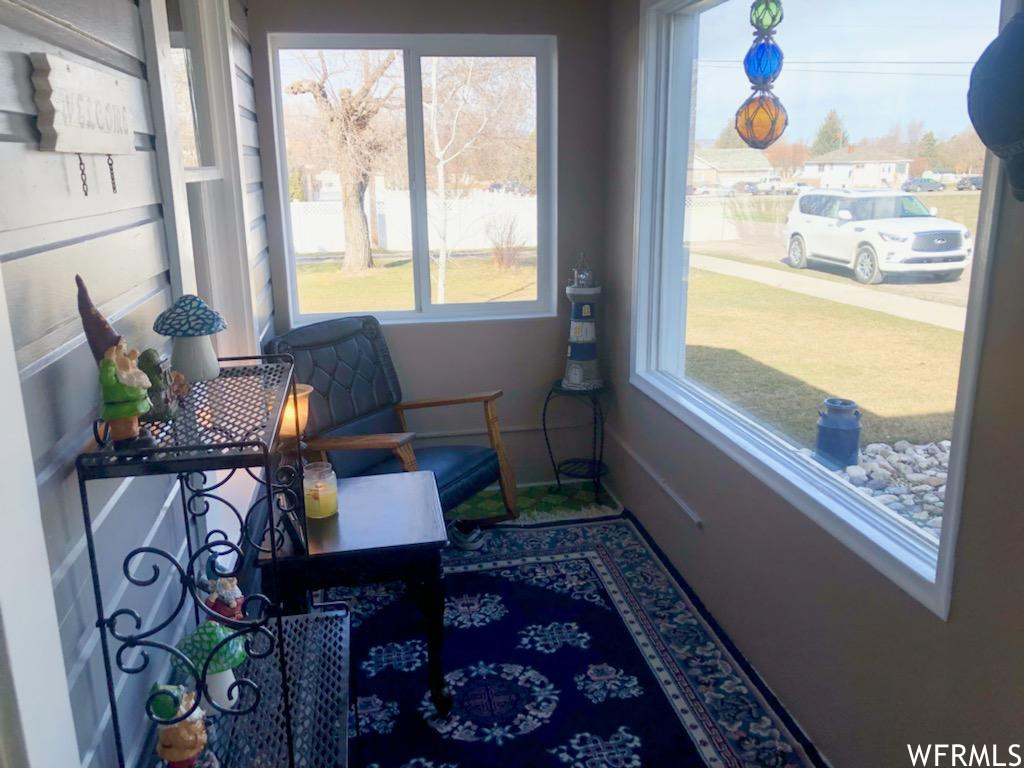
(355, 385)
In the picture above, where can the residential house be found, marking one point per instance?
(855, 166)
(728, 167)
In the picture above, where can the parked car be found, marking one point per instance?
(875, 233)
(714, 190)
(969, 182)
(799, 187)
(745, 187)
(923, 185)
(773, 185)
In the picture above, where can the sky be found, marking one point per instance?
(830, 49)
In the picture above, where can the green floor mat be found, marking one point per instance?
(541, 504)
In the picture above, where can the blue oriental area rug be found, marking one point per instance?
(570, 645)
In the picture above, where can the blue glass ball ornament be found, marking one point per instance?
(763, 63)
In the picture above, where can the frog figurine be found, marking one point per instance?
(166, 387)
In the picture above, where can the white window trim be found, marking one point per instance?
(895, 547)
(414, 47)
(207, 249)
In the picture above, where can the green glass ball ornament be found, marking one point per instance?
(765, 15)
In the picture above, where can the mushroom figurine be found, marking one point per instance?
(191, 322)
(180, 744)
(219, 676)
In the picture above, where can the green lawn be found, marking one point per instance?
(774, 353)
(778, 354)
(324, 287)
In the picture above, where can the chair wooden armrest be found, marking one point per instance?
(506, 477)
(399, 443)
(437, 402)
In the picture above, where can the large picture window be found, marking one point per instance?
(812, 308)
(418, 173)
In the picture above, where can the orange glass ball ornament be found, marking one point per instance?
(761, 120)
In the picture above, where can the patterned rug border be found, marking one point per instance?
(763, 690)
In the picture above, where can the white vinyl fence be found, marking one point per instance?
(472, 221)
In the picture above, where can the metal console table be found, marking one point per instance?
(290, 698)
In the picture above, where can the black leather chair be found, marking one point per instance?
(357, 416)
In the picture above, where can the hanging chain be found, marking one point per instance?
(81, 173)
(113, 181)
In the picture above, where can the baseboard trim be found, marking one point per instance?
(655, 477)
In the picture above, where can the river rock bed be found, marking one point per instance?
(908, 479)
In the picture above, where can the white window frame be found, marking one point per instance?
(204, 208)
(414, 48)
(892, 545)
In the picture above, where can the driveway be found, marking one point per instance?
(752, 248)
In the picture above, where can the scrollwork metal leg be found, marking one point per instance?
(100, 623)
(282, 660)
(547, 440)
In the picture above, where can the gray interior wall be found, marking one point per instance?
(49, 231)
(865, 668)
(252, 175)
(522, 357)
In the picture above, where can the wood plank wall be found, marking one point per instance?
(252, 176)
(49, 231)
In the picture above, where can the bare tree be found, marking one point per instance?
(349, 126)
(468, 102)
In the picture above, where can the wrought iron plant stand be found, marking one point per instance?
(288, 705)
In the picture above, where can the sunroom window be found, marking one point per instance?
(419, 173)
(805, 306)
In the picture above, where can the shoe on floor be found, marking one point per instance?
(470, 540)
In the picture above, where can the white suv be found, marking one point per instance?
(875, 233)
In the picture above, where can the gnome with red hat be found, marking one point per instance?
(123, 386)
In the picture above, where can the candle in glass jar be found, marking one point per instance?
(320, 490)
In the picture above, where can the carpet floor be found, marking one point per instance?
(566, 644)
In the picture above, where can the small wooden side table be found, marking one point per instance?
(388, 528)
(593, 468)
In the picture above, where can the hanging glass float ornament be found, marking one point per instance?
(763, 63)
(765, 15)
(762, 119)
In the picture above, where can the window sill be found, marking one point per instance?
(469, 314)
(894, 547)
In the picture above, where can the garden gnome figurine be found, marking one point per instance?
(995, 101)
(180, 744)
(226, 598)
(123, 387)
(581, 367)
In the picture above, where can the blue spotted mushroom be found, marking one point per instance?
(191, 322)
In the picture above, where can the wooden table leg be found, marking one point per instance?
(429, 595)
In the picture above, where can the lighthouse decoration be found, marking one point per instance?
(581, 366)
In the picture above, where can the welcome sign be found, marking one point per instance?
(81, 109)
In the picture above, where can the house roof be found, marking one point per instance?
(741, 159)
(857, 154)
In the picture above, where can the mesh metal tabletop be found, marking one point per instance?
(221, 423)
(317, 648)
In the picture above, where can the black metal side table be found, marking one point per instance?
(593, 468)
